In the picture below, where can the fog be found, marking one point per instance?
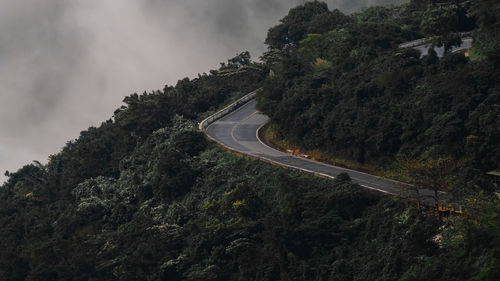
(66, 65)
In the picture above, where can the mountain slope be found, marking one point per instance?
(146, 197)
(347, 90)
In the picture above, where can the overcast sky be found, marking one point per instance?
(66, 65)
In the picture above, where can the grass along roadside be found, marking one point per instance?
(271, 137)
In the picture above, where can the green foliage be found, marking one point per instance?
(99, 151)
(349, 92)
(309, 17)
(99, 183)
(146, 197)
(486, 45)
(236, 219)
(441, 24)
(242, 59)
(461, 256)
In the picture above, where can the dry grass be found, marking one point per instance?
(271, 137)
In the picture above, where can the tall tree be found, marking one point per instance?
(294, 26)
(440, 23)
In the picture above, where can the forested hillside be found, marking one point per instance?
(341, 85)
(145, 196)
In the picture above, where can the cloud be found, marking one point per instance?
(66, 65)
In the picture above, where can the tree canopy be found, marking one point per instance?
(349, 91)
(145, 196)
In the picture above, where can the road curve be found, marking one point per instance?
(236, 127)
(238, 131)
(423, 46)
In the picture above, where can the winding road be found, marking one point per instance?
(238, 131)
(236, 127)
(423, 45)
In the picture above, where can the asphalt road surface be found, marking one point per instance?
(239, 132)
(466, 44)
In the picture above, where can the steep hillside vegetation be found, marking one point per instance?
(184, 209)
(146, 197)
(341, 85)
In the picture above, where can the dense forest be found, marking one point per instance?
(341, 85)
(145, 196)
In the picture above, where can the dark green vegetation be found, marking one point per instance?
(183, 209)
(146, 197)
(341, 84)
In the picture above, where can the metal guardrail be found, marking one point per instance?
(237, 104)
(425, 41)
(240, 102)
(228, 109)
(413, 43)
